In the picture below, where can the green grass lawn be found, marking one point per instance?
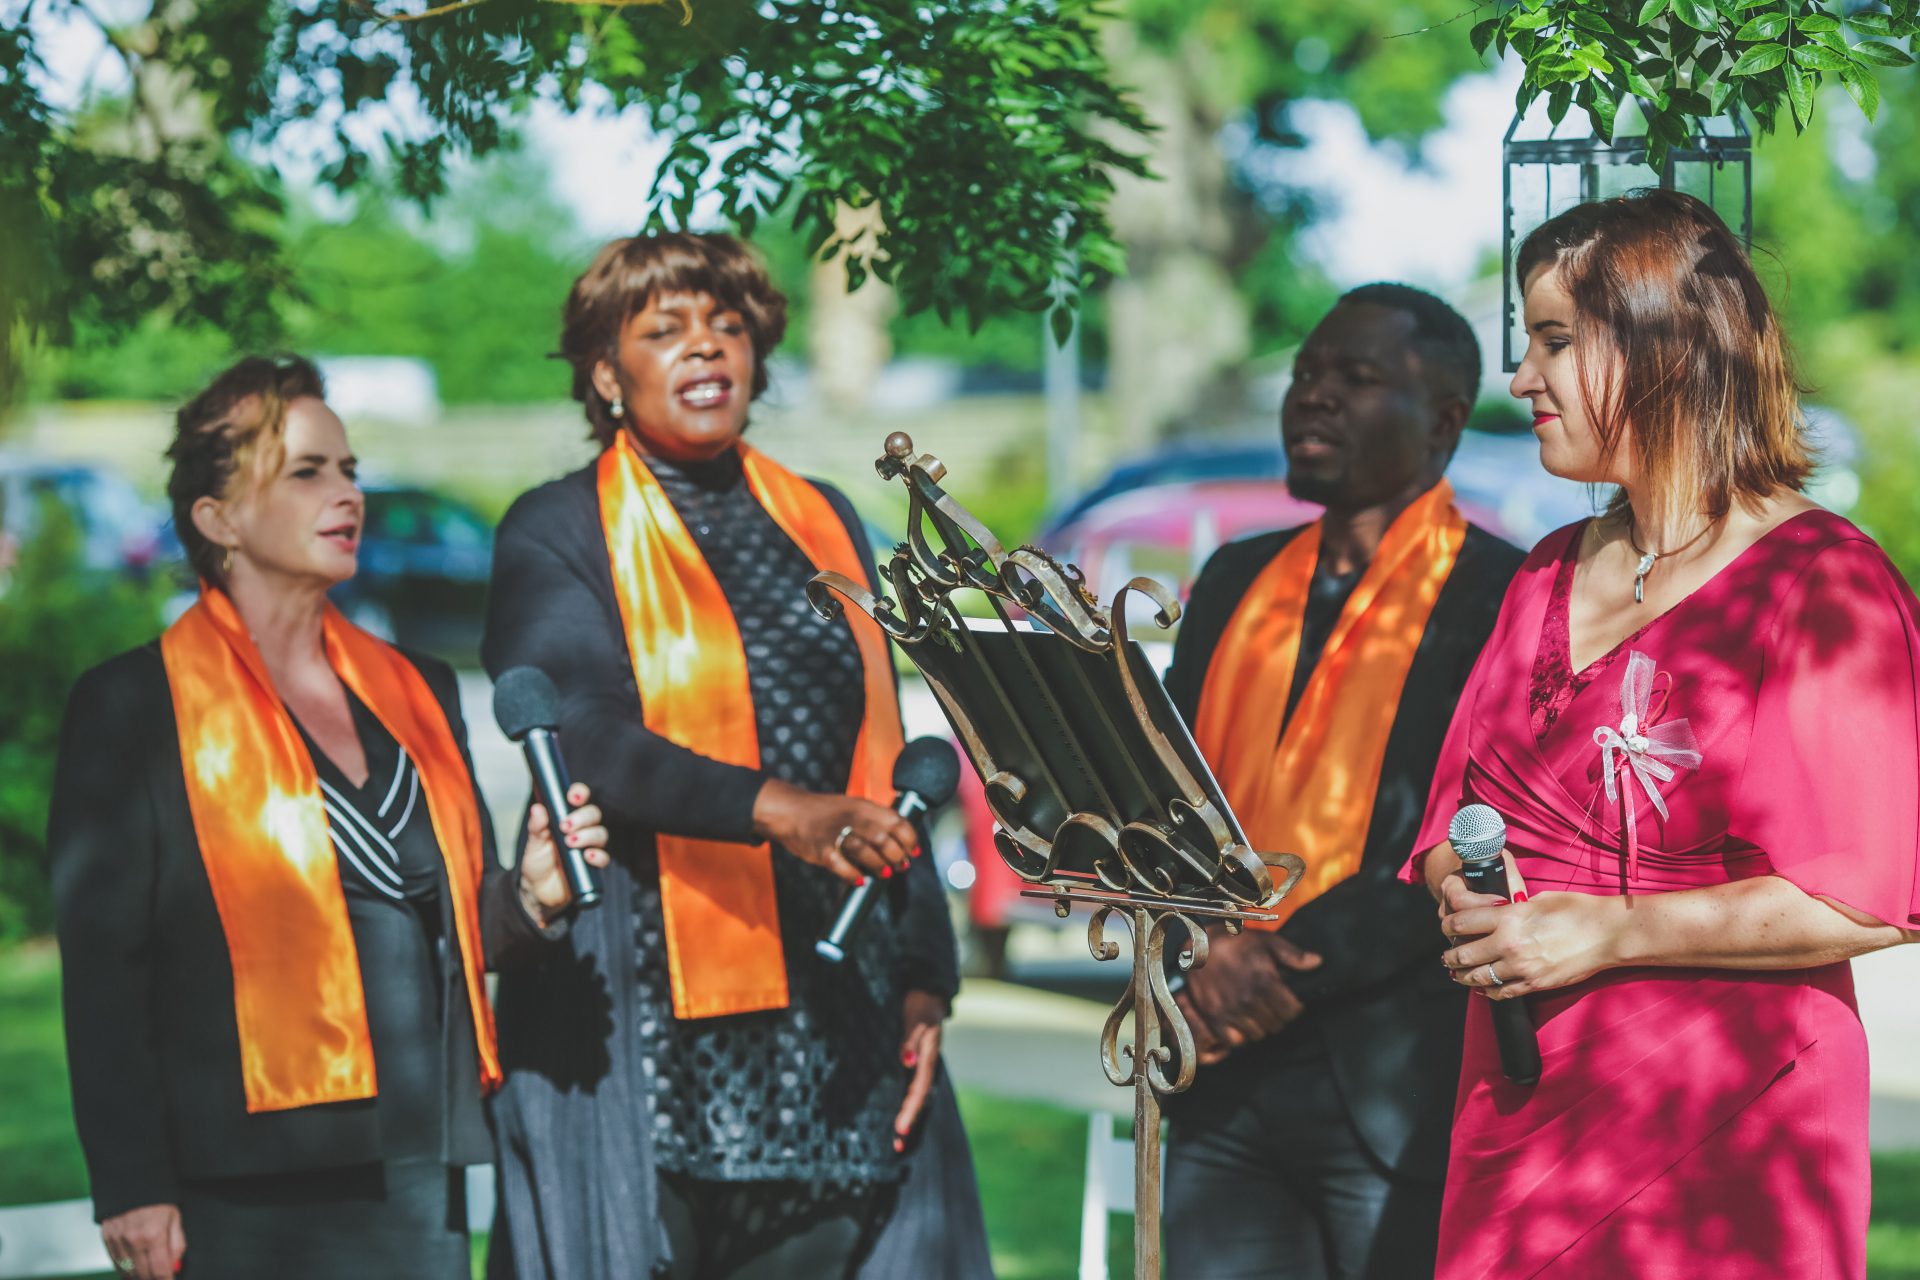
(1029, 1156)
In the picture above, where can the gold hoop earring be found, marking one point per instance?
(617, 408)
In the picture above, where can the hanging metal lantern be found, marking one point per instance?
(1550, 168)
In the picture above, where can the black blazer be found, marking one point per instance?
(153, 1047)
(552, 606)
(1390, 1019)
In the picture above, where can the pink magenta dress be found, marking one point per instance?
(1688, 1122)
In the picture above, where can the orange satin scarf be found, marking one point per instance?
(723, 928)
(1311, 790)
(255, 801)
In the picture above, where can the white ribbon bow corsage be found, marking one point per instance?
(1650, 752)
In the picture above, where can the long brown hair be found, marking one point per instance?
(1665, 295)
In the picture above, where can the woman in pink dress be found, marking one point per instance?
(1697, 715)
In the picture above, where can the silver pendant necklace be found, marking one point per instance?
(1649, 558)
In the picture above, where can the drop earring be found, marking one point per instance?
(617, 408)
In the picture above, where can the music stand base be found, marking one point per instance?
(1142, 1064)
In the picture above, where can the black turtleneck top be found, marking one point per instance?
(807, 1092)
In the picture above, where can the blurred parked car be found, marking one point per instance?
(1496, 473)
(1166, 528)
(120, 532)
(1255, 458)
(424, 562)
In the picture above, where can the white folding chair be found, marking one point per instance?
(57, 1239)
(1109, 1189)
(60, 1239)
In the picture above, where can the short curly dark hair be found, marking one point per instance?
(221, 436)
(627, 274)
(1441, 334)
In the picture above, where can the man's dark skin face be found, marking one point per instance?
(1367, 424)
(1368, 427)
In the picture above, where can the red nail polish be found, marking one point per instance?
(1520, 896)
(886, 873)
(861, 880)
(909, 1058)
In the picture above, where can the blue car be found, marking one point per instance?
(424, 563)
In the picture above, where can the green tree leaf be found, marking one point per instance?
(1698, 14)
(1602, 110)
(1863, 89)
(1764, 27)
(1762, 57)
(1816, 57)
(1882, 54)
(1800, 95)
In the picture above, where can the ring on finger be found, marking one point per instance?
(123, 1265)
(840, 841)
(1494, 978)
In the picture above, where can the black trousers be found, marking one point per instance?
(762, 1230)
(1267, 1179)
(401, 1220)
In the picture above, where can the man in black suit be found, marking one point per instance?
(1313, 1143)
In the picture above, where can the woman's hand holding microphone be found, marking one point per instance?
(1509, 948)
(543, 881)
(851, 837)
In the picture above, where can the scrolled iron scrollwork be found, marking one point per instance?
(1098, 796)
(1190, 846)
(1149, 1001)
(1104, 948)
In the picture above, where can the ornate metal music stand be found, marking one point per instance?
(1099, 793)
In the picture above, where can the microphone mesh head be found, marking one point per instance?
(930, 768)
(524, 699)
(1478, 832)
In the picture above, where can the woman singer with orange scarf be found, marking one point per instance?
(277, 891)
(743, 747)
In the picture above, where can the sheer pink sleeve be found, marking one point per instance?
(1831, 788)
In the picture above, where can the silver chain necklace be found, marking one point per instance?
(1650, 558)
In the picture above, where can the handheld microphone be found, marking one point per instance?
(527, 707)
(1478, 835)
(925, 776)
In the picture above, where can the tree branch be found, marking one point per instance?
(1433, 26)
(686, 7)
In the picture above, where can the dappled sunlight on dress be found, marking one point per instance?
(1689, 1121)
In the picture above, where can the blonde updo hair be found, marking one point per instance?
(222, 437)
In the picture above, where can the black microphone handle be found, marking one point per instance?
(859, 903)
(1512, 1020)
(551, 783)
